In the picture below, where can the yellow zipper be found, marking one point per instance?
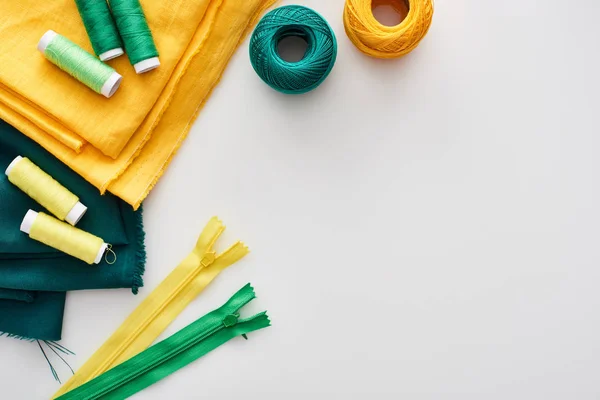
(162, 306)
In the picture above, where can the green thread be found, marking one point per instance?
(134, 30)
(78, 63)
(318, 61)
(100, 25)
(55, 348)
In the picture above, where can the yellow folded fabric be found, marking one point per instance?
(122, 144)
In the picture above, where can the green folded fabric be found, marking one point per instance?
(53, 271)
(18, 295)
(34, 267)
(38, 316)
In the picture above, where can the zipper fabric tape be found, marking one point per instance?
(175, 352)
(162, 306)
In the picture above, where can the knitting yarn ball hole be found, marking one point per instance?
(390, 12)
(292, 48)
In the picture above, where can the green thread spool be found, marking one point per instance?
(80, 64)
(101, 28)
(136, 34)
(319, 58)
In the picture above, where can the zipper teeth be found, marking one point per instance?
(185, 345)
(193, 340)
(211, 233)
(251, 296)
(190, 277)
(189, 342)
(252, 318)
(125, 344)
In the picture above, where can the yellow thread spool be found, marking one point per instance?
(61, 236)
(45, 190)
(380, 41)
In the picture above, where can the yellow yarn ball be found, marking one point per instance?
(380, 41)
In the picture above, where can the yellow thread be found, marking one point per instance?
(380, 41)
(42, 188)
(66, 238)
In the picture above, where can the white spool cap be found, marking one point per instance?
(111, 85)
(13, 164)
(28, 221)
(45, 40)
(101, 253)
(76, 213)
(146, 65)
(110, 54)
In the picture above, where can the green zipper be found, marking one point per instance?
(175, 352)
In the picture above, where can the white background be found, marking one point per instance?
(421, 228)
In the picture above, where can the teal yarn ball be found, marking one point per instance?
(318, 61)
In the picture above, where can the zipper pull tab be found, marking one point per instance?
(230, 320)
(208, 258)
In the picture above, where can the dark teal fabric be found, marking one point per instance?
(31, 266)
(18, 295)
(39, 319)
(58, 272)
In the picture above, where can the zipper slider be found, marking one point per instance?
(169, 299)
(177, 351)
(208, 258)
(230, 320)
